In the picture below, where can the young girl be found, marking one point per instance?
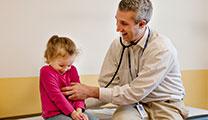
(60, 54)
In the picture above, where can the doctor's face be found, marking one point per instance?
(126, 25)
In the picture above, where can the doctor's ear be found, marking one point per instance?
(142, 23)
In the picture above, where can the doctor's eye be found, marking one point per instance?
(124, 23)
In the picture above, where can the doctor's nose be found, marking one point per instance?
(119, 28)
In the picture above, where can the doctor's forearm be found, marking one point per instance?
(93, 92)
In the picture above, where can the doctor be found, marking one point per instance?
(145, 73)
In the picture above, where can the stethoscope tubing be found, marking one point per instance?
(123, 49)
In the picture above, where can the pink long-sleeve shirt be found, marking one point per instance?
(52, 99)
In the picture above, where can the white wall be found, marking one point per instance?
(186, 23)
(26, 25)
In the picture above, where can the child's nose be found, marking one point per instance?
(66, 68)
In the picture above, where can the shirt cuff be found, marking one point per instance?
(105, 95)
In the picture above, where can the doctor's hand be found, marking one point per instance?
(79, 91)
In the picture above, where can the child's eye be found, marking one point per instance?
(61, 65)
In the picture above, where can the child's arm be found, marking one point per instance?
(49, 82)
(75, 78)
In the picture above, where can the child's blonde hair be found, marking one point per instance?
(59, 47)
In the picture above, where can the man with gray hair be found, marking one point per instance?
(140, 72)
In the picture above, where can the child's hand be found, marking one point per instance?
(76, 116)
(79, 110)
(84, 116)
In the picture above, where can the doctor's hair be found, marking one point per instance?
(59, 47)
(143, 8)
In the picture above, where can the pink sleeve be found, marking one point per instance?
(75, 78)
(50, 84)
(79, 104)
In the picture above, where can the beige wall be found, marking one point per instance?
(196, 84)
(20, 96)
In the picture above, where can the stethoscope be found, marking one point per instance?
(129, 59)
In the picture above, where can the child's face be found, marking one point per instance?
(62, 64)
